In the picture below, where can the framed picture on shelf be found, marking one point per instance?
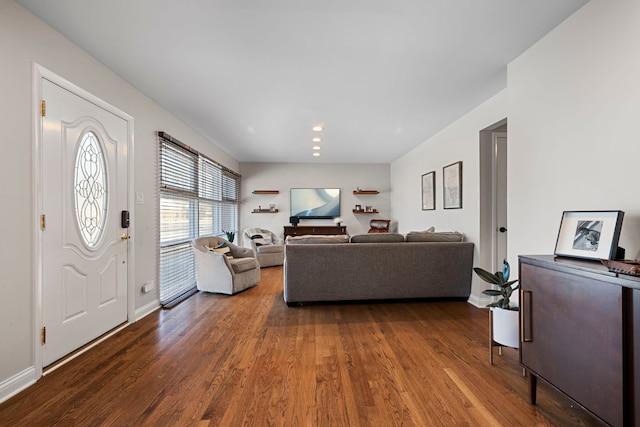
(589, 234)
(452, 186)
(429, 191)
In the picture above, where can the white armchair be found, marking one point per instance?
(217, 272)
(267, 246)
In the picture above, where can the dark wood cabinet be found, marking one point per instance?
(302, 230)
(576, 319)
(632, 372)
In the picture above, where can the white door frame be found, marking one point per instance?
(40, 73)
(486, 243)
(498, 170)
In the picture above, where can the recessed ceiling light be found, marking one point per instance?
(317, 128)
(316, 147)
(316, 139)
(316, 154)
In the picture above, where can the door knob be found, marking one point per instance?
(502, 229)
(125, 237)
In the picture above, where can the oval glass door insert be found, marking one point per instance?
(90, 187)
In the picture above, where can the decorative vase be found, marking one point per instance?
(505, 327)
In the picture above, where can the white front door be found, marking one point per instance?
(84, 246)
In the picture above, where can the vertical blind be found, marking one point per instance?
(198, 197)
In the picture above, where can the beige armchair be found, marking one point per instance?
(220, 273)
(267, 246)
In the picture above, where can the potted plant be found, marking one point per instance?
(231, 235)
(505, 315)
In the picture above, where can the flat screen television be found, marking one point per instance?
(315, 203)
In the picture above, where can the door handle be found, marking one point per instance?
(502, 229)
(125, 236)
(523, 316)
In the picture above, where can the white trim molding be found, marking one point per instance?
(17, 383)
(147, 309)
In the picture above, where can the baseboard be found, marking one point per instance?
(26, 378)
(478, 302)
(17, 383)
(147, 309)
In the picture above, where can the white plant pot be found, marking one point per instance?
(505, 327)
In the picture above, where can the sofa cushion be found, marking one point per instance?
(270, 249)
(240, 265)
(377, 238)
(443, 236)
(315, 239)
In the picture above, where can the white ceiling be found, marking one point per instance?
(254, 76)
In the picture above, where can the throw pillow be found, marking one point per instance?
(224, 249)
(317, 239)
(446, 236)
(379, 224)
(377, 238)
(261, 239)
(252, 231)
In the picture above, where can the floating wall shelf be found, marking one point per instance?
(366, 192)
(266, 192)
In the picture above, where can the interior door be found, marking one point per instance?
(84, 244)
(499, 145)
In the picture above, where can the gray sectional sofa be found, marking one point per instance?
(377, 267)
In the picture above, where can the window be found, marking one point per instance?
(198, 197)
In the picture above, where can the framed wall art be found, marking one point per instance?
(452, 186)
(589, 234)
(429, 191)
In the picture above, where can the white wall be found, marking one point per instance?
(24, 39)
(460, 141)
(572, 105)
(283, 176)
(574, 139)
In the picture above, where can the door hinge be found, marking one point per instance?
(43, 108)
(43, 335)
(43, 221)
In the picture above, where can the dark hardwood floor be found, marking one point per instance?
(249, 360)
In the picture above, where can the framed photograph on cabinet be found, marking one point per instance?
(429, 191)
(452, 186)
(589, 234)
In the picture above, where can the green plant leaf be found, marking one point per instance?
(486, 276)
(503, 303)
(506, 269)
(492, 292)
